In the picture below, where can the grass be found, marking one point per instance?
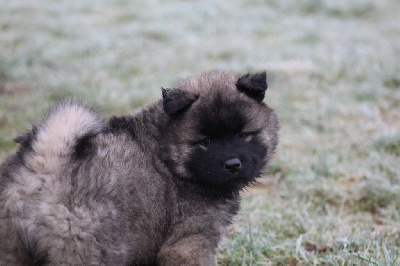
(331, 193)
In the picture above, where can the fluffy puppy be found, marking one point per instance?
(158, 187)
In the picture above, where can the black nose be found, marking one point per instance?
(233, 165)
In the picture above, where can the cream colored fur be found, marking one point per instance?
(58, 134)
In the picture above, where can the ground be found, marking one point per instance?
(331, 195)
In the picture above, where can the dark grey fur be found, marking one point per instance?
(156, 187)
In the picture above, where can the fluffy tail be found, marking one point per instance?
(59, 136)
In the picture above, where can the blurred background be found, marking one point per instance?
(332, 192)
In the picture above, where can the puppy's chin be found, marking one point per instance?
(226, 180)
(226, 186)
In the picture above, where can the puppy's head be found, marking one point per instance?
(220, 134)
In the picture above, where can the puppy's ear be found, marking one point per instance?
(176, 100)
(253, 85)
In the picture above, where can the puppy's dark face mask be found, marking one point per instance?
(230, 153)
(220, 134)
(228, 163)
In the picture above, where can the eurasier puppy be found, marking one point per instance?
(156, 187)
